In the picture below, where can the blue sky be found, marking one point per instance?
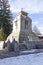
(33, 7)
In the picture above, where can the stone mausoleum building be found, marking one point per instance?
(22, 29)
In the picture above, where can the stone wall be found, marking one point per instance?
(34, 44)
(26, 45)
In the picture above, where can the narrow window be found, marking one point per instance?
(26, 24)
(16, 24)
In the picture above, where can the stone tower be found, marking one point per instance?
(22, 27)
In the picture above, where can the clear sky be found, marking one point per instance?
(33, 7)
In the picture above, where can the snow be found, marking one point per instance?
(1, 45)
(29, 51)
(32, 51)
(31, 59)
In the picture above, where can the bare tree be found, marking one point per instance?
(36, 30)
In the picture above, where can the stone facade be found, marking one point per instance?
(22, 29)
(22, 37)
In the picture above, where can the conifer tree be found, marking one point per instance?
(5, 17)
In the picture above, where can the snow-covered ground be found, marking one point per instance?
(31, 59)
